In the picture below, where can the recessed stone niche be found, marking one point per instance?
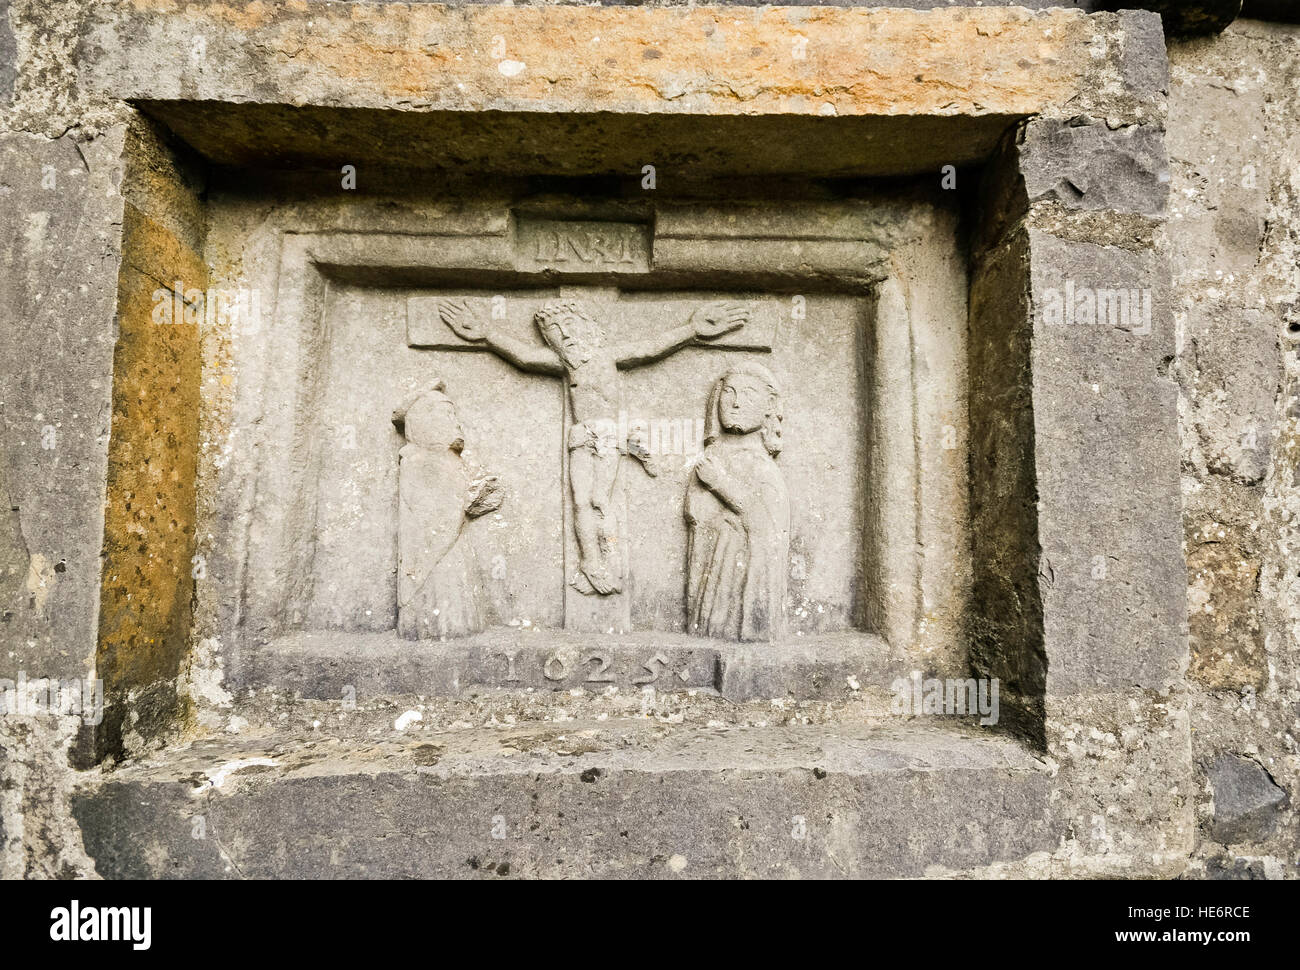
(457, 455)
(468, 436)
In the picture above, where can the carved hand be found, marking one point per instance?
(707, 471)
(463, 320)
(714, 478)
(716, 319)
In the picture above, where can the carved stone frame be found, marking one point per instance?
(1073, 439)
(916, 570)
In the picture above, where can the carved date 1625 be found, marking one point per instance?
(597, 667)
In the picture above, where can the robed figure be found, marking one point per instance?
(738, 513)
(440, 589)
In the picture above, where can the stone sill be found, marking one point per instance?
(623, 798)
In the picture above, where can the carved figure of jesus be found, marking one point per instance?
(575, 349)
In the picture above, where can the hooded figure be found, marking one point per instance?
(738, 513)
(439, 589)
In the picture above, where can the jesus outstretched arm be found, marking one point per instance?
(468, 325)
(707, 323)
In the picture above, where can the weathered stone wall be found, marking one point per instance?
(1234, 237)
(60, 235)
(83, 345)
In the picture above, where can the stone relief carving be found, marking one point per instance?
(575, 349)
(738, 513)
(322, 559)
(439, 589)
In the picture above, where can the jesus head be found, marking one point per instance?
(569, 331)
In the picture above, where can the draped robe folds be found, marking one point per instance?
(736, 561)
(439, 590)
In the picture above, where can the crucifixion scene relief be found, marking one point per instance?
(576, 350)
(654, 493)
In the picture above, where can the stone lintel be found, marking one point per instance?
(700, 60)
(818, 90)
